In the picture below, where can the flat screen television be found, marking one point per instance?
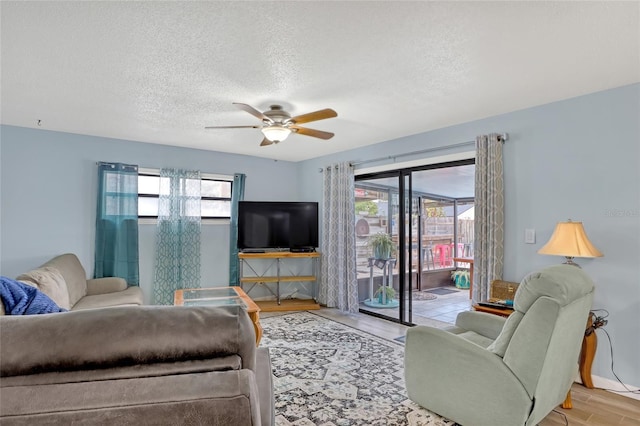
(277, 225)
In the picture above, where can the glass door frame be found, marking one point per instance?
(405, 311)
(405, 256)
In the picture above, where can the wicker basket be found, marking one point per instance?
(504, 290)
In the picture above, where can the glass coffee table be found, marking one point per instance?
(220, 296)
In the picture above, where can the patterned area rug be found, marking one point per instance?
(329, 374)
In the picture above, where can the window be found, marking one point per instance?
(215, 193)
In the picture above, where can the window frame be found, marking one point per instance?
(203, 177)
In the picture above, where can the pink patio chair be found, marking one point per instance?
(443, 253)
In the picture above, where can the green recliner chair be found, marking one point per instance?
(495, 371)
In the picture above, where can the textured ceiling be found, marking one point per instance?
(160, 71)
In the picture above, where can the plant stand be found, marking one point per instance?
(387, 266)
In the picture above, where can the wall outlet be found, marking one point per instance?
(530, 236)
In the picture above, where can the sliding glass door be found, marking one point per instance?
(385, 230)
(406, 233)
(377, 237)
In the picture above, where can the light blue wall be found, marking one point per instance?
(577, 159)
(48, 197)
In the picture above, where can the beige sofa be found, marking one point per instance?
(64, 280)
(134, 365)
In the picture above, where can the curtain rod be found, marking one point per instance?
(107, 163)
(502, 138)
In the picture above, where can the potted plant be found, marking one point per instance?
(382, 245)
(389, 292)
(461, 278)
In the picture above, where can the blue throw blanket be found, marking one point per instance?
(21, 299)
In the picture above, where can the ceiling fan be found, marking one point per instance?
(277, 124)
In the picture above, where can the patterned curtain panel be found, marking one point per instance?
(339, 285)
(177, 263)
(489, 215)
(236, 196)
(116, 251)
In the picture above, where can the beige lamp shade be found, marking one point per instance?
(570, 240)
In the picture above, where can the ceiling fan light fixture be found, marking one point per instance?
(277, 124)
(276, 133)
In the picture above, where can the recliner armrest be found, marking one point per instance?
(105, 285)
(487, 325)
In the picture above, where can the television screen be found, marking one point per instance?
(277, 225)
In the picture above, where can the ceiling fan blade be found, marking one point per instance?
(251, 110)
(233, 127)
(265, 142)
(312, 132)
(314, 116)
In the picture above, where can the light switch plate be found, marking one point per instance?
(530, 236)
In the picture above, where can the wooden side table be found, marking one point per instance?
(494, 311)
(588, 352)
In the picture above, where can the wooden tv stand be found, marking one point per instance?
(267, 276)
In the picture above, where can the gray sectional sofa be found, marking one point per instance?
(134, 365)
(110, 361)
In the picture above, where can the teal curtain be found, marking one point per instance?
(116, 251)
(237, 195)
(177, 264)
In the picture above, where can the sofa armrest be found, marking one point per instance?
(122, 336)
(264, 379)
(105, 285)
(485, 324)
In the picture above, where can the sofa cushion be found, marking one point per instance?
(476, 338)
(130, 296)
(73, 273)
(49, 281)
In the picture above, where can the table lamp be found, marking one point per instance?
(570, 240)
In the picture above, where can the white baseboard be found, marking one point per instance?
(613, 386)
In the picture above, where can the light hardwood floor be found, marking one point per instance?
(591, 407)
